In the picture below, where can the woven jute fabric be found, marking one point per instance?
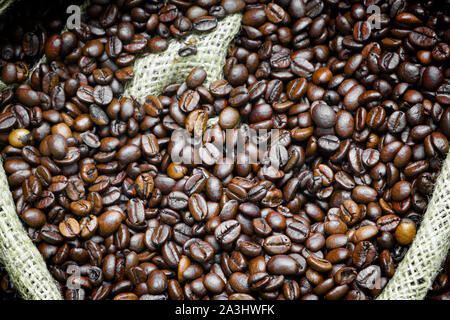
(21, 258)
(422, 263)
(156, 70)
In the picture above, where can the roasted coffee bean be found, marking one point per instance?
(364, 194)
(422, 37)
(196, 77)
(204, 23)
(277, 244)
(350, 212)
(156, 282)
(103, 95)
(297, 231)
(228, 118)
(109, 222)
(198, 207)
(405, 231)
(34, 218)
(282, 264)
(213, 283)
(69, 228)
(185, 51)
(364, 254)
(227, 231)
(196, 122)
(177, 200)
(201, 251)
(323, 115)
(369, 277)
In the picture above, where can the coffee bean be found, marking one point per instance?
(318, 264)
(69, 228)
(213, 283)
(109, 222)
(422, 37)
(103, 95)
(19, 138)
(297, 231)
(196, 77)
(369, 277)
(185, 51)
(128, 153)
(33, 217)
(442, 94)
(204, 23)
(277, 244)
(364, 194)
(405, 232)
(156, 282)
(227, 231)
(282, 264)
(198, 207)
(324, 116)
(201, 251)
(228, 118)
(196, 122)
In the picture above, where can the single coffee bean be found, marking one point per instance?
(227, 231)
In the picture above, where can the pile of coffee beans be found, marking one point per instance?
(353, 109)
(24, 29)
(120, 28)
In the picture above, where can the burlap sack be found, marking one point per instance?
(153, 72)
